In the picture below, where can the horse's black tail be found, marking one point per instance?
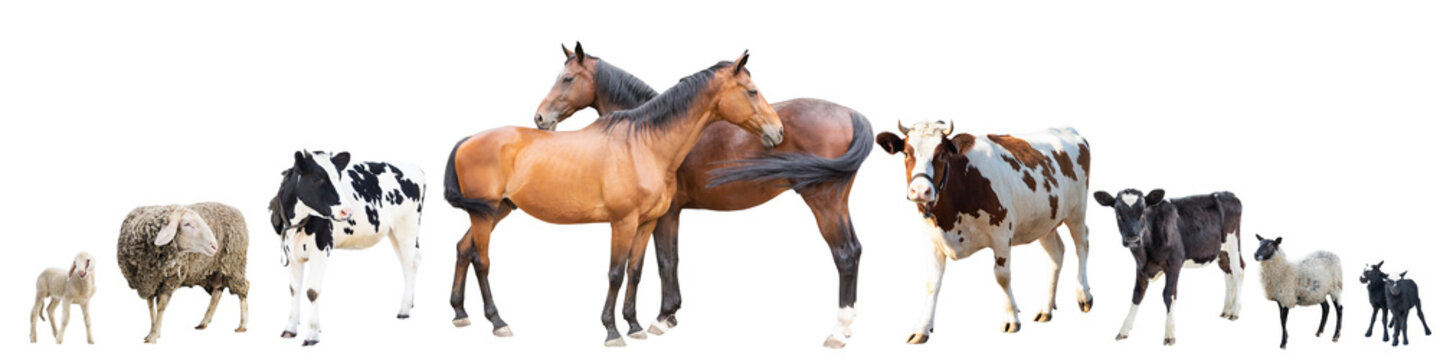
(452, 188)
(803, 170)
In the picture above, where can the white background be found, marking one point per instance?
(1318, 114)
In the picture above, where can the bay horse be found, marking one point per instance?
(620, 170)
(819, 163)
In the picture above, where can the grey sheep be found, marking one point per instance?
(210, 241)
(1303, 283)
(74, 287)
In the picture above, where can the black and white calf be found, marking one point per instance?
(1166, 235)
(996, 192)
(319, 208)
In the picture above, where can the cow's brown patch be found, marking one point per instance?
(967, 192)
(1029, 181)
(963, 142)
(1026, 155)
(1084, 159)
(999, 261)
(1009, 160)
(1054, 205)
(312, 294)
(1225, 262)
(1066, 167)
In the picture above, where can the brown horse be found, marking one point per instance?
(818, 160)
(620, 170)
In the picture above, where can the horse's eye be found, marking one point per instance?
(753, 92)
(569, 79)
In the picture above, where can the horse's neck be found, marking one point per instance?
(670, 146)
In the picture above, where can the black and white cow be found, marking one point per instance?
(1167, 235)
(996, 192)
(319, 208)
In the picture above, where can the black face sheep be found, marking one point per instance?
(162, 248)
(1400, 296)
(1374, 281)
(1304, 283)
(74, 287)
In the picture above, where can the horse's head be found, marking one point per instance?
(740, 102)
(574, 89)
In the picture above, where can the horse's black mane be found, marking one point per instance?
(664, 109)
(619, 88)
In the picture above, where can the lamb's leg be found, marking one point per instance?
(151, 304)
(64, 323)
(1339, 315)
(35, 314)
(1284, 334)
(1421, 313)
(1404, 326)
(1056, 249)
(1002, 277)
(297, 281)
(1386, 323)
(317, 278)
(210, 312)
(926, 325)
(50, 310)
(1396, 326)
(1141, 282)
(1373, 312)
(85, 310)
(244, 312)
(1324, 315)
(160, 304)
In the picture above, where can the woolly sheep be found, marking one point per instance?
(75, 287)
(1304, 283)
(1400, 296)
(210, 241)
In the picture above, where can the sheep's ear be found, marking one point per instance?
(1258, 237)
(1377, 266)
(1277, 241)
(1154, 197)
(1402, 274)
(1104, 199)
(167, 233)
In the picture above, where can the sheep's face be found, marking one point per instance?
(1372, 274)
(1130, 215)
(190, 232)
(1267, 249)
(316, 186)
(83, 265)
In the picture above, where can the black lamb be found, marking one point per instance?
(1400, 296)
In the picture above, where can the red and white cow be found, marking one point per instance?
(995, 192)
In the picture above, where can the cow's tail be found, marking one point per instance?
(452, 188)
(801, 169)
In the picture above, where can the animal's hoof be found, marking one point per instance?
(637, 335)
(1087, 304)
(1121, 337)
(90, 341)
(1367, 333)
(310, 343)
(616, 342)
(1427, 332)
(918, 338)
(1335, 339)
(1234, 317)
(241, 329)
(288, 334)
(656, 329)
(1169, 341)
(1318, 333)
(461, 322)
(503, 331)
(200, 327)
(1043, 317)
(402, 316)
(1012, 327)
(834, 343)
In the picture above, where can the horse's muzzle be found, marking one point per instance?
(771, 136)
(544, 124)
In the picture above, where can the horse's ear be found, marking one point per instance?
(567, 51)
(890, 142)
(1104, 199)
(579, 52)
(740, 64)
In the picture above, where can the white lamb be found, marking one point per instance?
(1304, 283)
(74, 287)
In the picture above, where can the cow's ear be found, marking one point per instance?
(299, 161)
(1154, 197)
(340, 159)
(1104, 198)
(949, 148)
(890, 142)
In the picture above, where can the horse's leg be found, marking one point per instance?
(312, 292)
(1141, 283)
(1002, 277)
(1056, 249)
(622, 233)
(926, 325)
(406, 242)
(1080, 237)
(480, 228)
(464, 255)
(636, 264)
(667, 256)
(297, 282)
(830, 205)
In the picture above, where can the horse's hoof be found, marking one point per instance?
(656, 329)
(1121, 337)
(1012, 327)
(240, 329)
(288, 334)
(834, 343)
(616, 342)
(402, 316)
(1043, 317)
(637, 335)
(310, 343)
(200, 327)
(1169, 341)
(503, 331)
(918, 338)
(461, 322)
